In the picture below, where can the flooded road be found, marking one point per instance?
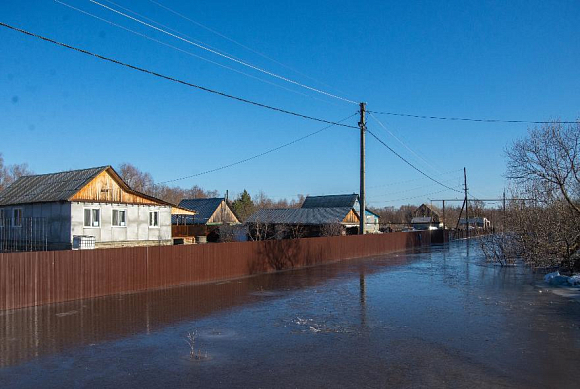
(440, 317)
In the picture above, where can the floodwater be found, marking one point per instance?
(440, 317)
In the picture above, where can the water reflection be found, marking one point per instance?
(433, 318)
(31, 332)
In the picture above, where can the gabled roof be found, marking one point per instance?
(62, 186)
(305, 216)
(331, 201)
(204, 208)
(51, 187)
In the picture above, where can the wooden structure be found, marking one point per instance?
(210, 215)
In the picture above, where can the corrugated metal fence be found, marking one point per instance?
(36, 278)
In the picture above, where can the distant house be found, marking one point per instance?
(476, 222)
(210, 214)
(344, 201)
(425, 218)
(94, 205)
(302, 222)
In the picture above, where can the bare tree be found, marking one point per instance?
(543, 231)
(549, 155)
(10, 173)
(135, 178)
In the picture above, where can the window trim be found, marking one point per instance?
(14, 217)
(92, 222)
(112, 217)
(149, 219)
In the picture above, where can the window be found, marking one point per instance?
(119, 218)
(92, 217)
(154, 219)
(17, 217)
(2, 217)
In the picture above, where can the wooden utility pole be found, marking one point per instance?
(466, 204)
(362, 198)
(443, 216)
(503, 222)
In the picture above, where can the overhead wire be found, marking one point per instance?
(417, 188)
(173, 79)
(408, 198)
(405, 145)
(234, 41)
(257, 155)
(183, 51)
(244, 63)
(412, 180)
(409, 163)
(472, 119)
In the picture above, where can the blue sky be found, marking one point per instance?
(509, 60)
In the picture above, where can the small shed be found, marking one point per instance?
(210, 215)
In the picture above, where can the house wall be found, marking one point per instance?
(49, 220)
(137, 230)
(372, 223)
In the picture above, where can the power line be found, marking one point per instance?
(416, 188)
(405, 145)
(184, 51)
(174, 79)
(255, 156)
(412, 180)
(224, 55)
(471, 119)
(229, 39)
(409, 163)
(409, 198)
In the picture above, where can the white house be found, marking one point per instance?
(95, 202)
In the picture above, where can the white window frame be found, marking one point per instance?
(92, 221)
(14, 210)
(149, 221)
(124, 210)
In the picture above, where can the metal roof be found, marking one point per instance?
(205, 208)
(42, 188)
(331, 201)
(305, 216)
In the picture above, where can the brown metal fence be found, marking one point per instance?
(36, 278)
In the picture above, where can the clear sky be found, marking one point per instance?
(503, 59)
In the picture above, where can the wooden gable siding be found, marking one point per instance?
(223, 214)
(105, 188)
(351, 217)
